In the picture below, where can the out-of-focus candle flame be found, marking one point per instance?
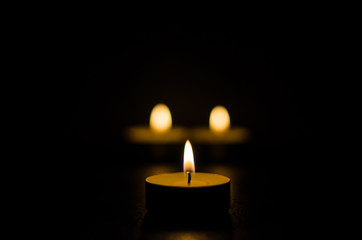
(189, 165)
(219, 119)
(160, 120)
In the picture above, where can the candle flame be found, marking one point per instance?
(219, 119)
(160, 120)
(189, 165)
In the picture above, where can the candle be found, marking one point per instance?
(219, 131)
(188, 190)
(160, 130)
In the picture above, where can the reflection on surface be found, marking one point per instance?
(144, 135)
(188, 235)
(204, 226)
(234, 135)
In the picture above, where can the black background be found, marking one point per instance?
(101, 87)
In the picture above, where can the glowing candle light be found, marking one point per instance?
(220, 131)
(160, 119)
(189, 164)
(160, 129)
(219, 119)
(208, 191)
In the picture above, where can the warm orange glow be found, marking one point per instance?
(160, 120)
(219, 119)
(189, 165)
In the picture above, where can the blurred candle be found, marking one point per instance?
(160, 130)
(219, 131)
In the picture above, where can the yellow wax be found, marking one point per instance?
(143, 134)
(233, 135)
(179, 179)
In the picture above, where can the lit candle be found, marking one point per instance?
(187, 190)
(160, 130)
(219, 131)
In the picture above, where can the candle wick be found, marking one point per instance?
(188, 177)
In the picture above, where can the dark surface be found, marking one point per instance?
(95, 186)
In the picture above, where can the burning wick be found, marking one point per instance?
(188, 177)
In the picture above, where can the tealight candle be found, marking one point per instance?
(187, 190)
(219, 131)
(160, 130)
